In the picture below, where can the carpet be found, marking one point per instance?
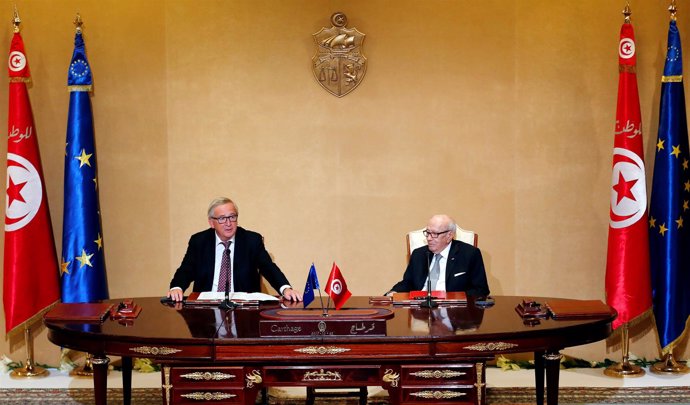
(495, 396)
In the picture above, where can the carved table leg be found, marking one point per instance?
(100, 378)
(553, 365)
(127, 380)
(539, 376)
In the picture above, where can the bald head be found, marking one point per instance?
(440, 231)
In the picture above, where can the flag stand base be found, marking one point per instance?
(83, 371)
(669, 365)
(30, 370)
(624, 368)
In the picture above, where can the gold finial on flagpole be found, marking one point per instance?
(16, 20)
(627, 13)
(672, 9)
(78, 23)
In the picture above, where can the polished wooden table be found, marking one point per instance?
(424, 356)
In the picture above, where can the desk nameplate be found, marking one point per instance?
(323, 327)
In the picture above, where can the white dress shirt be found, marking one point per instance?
(441, 283)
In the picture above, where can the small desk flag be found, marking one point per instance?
(669, 237)
(336, 287)
(312, 284)
(83, 264)
(31, 277)
(628, 287)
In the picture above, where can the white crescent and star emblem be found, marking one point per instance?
(626, 48)
(336, 286)
(24, 192)
(17, 61)
(628, 189)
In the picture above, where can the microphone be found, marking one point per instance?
(428, 301)
(227, 304)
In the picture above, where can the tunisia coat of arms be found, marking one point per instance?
(338, 64)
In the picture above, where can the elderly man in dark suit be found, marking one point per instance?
(227, 255)
(452, 265)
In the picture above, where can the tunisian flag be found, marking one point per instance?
(336, 288)
(31, 278)
(628, 287)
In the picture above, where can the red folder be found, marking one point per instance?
(82, 312)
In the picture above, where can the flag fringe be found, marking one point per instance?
(669, 347)
(86, 88)
(39, 315)
(672, 79)
(646, 315)
(20, 80)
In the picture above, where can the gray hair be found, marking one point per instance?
(221, 201)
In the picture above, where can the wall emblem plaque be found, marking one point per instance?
(339, 64)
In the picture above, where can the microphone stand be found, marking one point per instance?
(227, 304)
(428, 301)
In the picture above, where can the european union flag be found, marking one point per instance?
(669, 240)
(82, 273)
(312, 284)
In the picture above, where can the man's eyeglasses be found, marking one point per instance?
(433, 235)
(221, 220)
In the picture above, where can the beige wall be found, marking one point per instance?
(499, 113)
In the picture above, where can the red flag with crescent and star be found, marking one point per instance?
(336, 287)
(31, 276)
(628, 286)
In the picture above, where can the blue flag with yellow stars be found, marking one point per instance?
(82, 273)
(311, 285)
(669, 210)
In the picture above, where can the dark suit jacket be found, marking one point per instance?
(251, 261)
(464, 270)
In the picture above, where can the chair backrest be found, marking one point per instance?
(416, 239)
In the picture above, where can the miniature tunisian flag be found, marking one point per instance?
(336, 288)
(31, 278)
(628, 286)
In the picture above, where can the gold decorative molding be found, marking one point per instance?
(480, 382)
(553, 356)
(437, 374)
(208, 396)
(391, 377)
(166, 384)
(100, 360)
(322, 375)
(254, 377)
(322, 350)
(208, 376)
(155, 351)
(491, 346)
(438, 394)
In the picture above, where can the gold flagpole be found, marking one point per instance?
(624, 368)
(30, 370)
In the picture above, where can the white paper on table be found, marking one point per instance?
(240, 296)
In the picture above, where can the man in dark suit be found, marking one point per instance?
(247, 259)
(453, 265)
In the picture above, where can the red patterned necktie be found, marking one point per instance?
(225, 271)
